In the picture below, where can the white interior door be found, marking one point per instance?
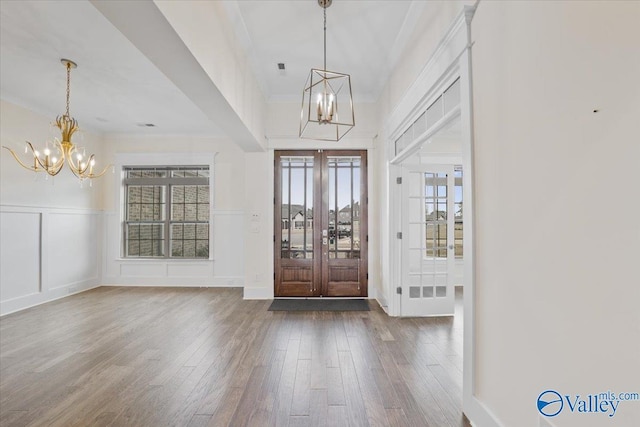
(428, 258)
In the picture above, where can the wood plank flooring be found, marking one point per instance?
(118, 356)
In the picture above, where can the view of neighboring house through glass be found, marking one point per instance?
(457, 204)
(167, 212)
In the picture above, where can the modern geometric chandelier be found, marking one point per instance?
(52, 158)
(327, 101)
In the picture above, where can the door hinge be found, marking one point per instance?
(367, 276)
(399, 180)
(399, 234)
(399, 290)
(274, 276)
(274, 238)
(367, 239)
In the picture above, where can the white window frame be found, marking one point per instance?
(166, 183)
(163, 159)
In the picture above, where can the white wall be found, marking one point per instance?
(49, 243)
(557, 187)
(226, 266)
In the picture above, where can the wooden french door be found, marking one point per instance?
(320, 223)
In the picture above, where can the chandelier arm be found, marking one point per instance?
(91, 176)
(15, 156)
(55, 171)
(87, 166)
(43, 167)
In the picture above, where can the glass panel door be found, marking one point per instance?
(428, 249)
(320, 223)
(297, 264)
(344, 205)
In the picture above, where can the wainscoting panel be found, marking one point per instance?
(79, 235)
(20, 254)
(225, 268)
(47, 253)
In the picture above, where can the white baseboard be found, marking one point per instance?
(32, 300)
(205, 282)
(258, 293)
(479, 415)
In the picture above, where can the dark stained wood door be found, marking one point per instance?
(320, 223)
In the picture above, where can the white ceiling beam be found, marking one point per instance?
(150, 32)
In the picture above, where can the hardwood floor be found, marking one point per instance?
(119, 356)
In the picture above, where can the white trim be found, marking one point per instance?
(477, 412)
(33, 300)
(479, 415)
(426, 135)
(258, 293)
(451, 58)
(182, 282)
(436, 75)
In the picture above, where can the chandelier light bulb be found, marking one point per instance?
(47, 151)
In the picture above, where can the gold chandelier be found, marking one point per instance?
(327, 101)
(52, 159)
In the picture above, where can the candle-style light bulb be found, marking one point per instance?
(319, 107)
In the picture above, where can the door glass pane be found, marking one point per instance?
(436, 215)
(344, 206)
(297, 207)
(457, 203)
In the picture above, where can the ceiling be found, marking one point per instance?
(116, 89)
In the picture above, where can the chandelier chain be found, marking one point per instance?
(68, 86)
(325, 37)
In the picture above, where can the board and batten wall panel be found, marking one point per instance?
(72, 248)
(47, 253)
(20, 260)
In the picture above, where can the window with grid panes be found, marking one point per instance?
(167, 212)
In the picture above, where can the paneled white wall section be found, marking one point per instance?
(225, 266)
(50, 239)
(47, 253)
